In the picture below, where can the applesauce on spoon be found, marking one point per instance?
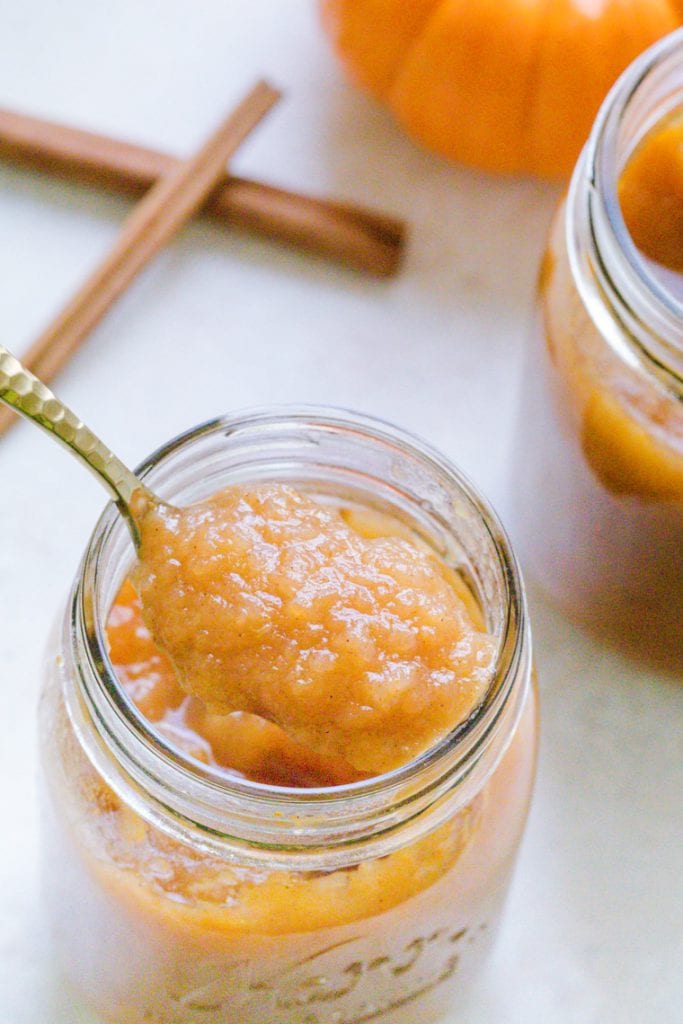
(360, 648)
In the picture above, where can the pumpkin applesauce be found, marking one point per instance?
(632, 436)
(603, 443)
(248, 591)
(651, 194)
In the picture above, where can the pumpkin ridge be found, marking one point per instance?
(382, 85)
(410, 50)
(677, 8)
(531, 90)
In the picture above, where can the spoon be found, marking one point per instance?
(27, 395)
(375, 699)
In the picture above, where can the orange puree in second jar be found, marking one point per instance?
(362, 649)
(651, 194)
(637, 450)
(631, 432)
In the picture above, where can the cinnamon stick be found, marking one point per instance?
(153, 222)
(368, 241)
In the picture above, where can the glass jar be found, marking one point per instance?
(180, 894)
(597, 497)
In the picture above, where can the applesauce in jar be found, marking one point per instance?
(598, 467)
(204, 867)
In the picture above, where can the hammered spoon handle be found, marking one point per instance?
(27, 395)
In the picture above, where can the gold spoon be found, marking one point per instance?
(227, 669)
(27, 395)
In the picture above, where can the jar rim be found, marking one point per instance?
(653, 311)
(453, 757)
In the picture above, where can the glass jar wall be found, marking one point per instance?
(598, 470)
(181, 893)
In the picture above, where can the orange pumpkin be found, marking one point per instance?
(506, 85)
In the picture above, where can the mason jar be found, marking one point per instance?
(181, 893)
(597, 474)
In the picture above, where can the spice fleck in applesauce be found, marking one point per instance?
(359, 648)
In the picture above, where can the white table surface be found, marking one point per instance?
(593, 931)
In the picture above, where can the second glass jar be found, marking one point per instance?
(597, 489)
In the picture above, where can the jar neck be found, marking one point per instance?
(636, 313)
(339, 456)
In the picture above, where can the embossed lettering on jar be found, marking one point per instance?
(181, 891)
